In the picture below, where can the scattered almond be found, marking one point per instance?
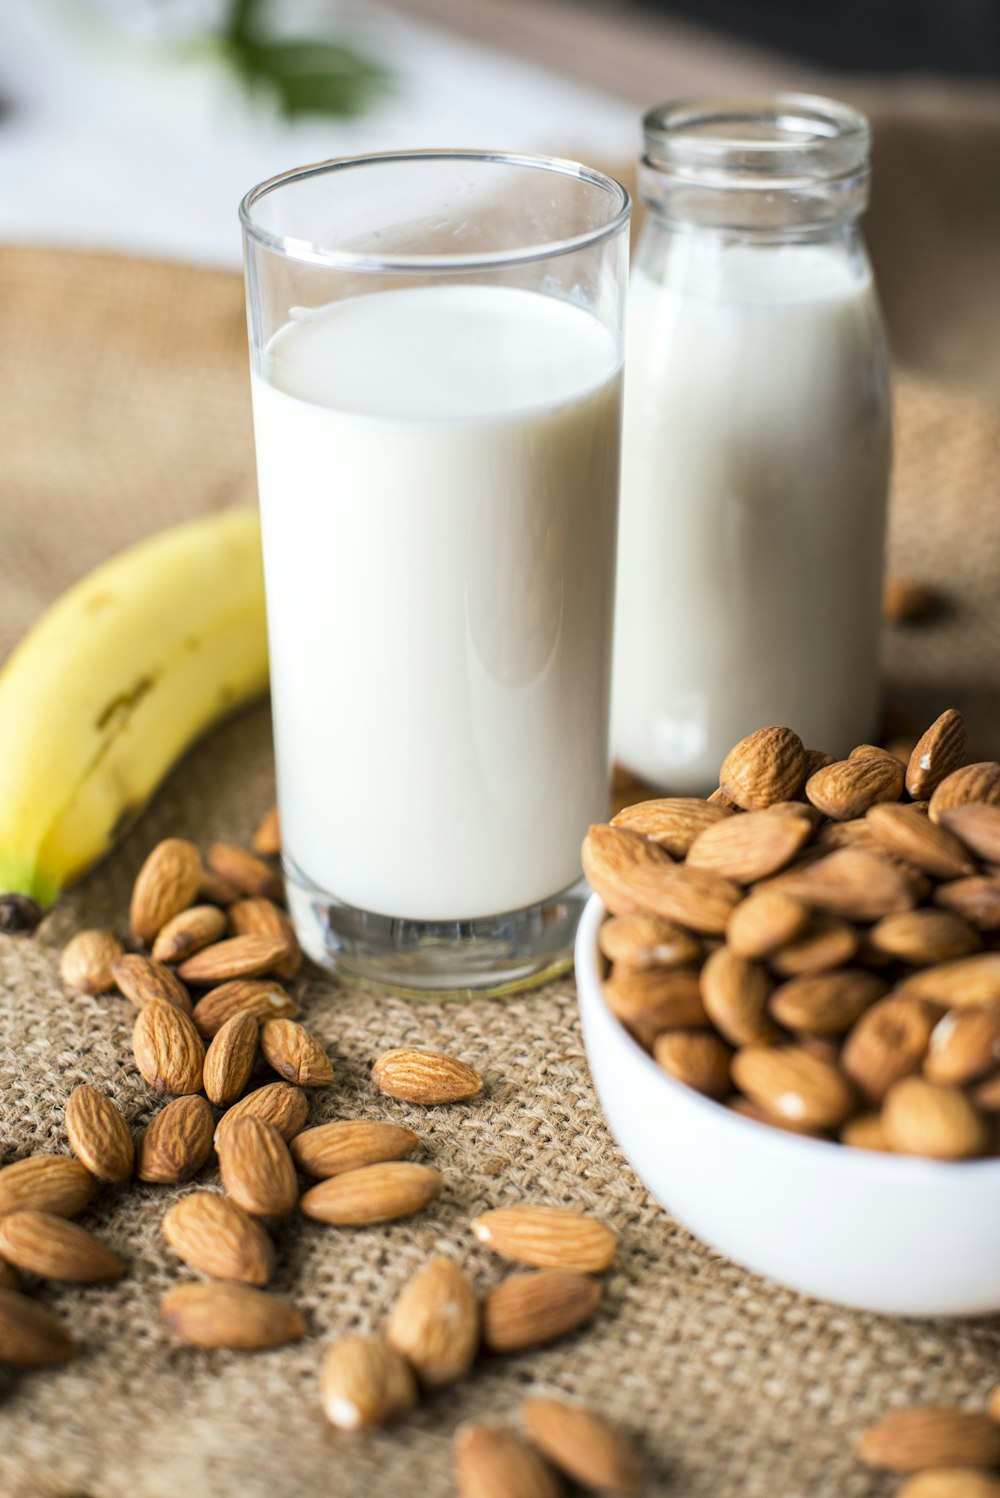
(951, 1482)
(236, 957)
(230, 1058)
(188, 932)
(29, 1336)
(363, 1382)
(907, 600)
(434, 1323)
(256, 1168)
(931, 1436)
(538, 1306)
(216, 1236)
(295, 1053)
(582, 1445)
(41, 1243)
(549, 1237)
(168, 1049)
(233, 1316)
(177, 1142)
(259, 917)
(278, 1103)
(88, 959)
(98, 1134)
(261, 998)
(267, 839)
(214, 890)
(142, 980)
(373, 1193)
(167, 884)
(248, 873)
(45, 1183)
(422, 1076)
(331, 1149)
(494, 1463)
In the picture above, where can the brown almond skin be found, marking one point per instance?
(166, 884)
(266, 841)
(965, 1046)
(262, 998)
(795, 1085)
(978, 783)
(374, 1193)
(923, 937)
(41, 1243)
(141, 980)
(849, 787)
(365, 1382)
(698, 1058)
(264, 918)
(46, 1183)
(295, 1053)
(926, 1118)
(188, 932)
(538, 1306)
(977, 826)
(582, 1445)
(765, 767)
(612, 858)
(648, 1000)
(699, 899)
(764, 922)
(434, 1324)
(976, 899)
(214, 890)
(279, 1104)
(330, 1149)
(735, 993)
(548, 1237)
(672, 821)
(426, 1077)
(908, 833)
(645, 941)
(233, 1316)
(907, 600)
(87, 961)
(950, 1482)
(29, 1336)
(936, 754)
(866, 1132)
(249, 956)
(931, 1436)
(249, 873)
(960, 984)
(177, 1142)
(168, 1049)
(230, 1058)
(750, 847)
(826, 1003)
(98, 1134)
(257, 1170)
(849, 882)
(887, 1043)
(213, 1234)
(494, 1463)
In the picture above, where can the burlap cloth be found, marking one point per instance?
(123, 406)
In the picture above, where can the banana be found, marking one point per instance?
(104, 694)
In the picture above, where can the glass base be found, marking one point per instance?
(484, 958)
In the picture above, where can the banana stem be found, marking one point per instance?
(19, 915)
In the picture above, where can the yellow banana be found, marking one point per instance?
(110, 687)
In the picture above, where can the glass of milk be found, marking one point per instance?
(756, 441)
(436, 364)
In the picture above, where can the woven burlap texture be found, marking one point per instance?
(123, 406)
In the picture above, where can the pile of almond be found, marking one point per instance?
(945, 1452)
(817, 944)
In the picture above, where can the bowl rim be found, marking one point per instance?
(872, 1163)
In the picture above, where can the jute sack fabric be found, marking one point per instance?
(123, 407)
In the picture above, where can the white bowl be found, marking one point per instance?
(878, 1232)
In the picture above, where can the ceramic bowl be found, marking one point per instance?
(877, 1232)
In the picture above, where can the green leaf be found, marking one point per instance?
(310, 76)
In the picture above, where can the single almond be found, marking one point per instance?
(233, 1316)
(926, 1118)
(960, 984)
(41, 1243)
(924, 937)
(750, 847)
(45, 1183)
(142, 980)
(427, 1077)
(907, 600)
(641, 941)
(166, 884)
(260, 917)
(978, 784)
(937, 753)
(167, 1048)
(278, 1103)
(98, 1134)
(826, 1003)
(434, 1323)
(612, 858)
(267, 839)
(330, 1149)
(977, 826)
(826, 943)
(931, 1436)
(866, 1132)
(261, 998)
(236, 957)
(976, 899)
(888, 1042)
(373, 1193)
(364, 1382)
(177, 1142)
(698, 1058)
(964, 1046)
(230, 1058)
(909, 834)
(764, 922)
(248, 873)
(538, 1306)
(950, 1482)
(87, 961)
(188, 932)
(791, 1083)
(849, 882)
(29, 1336)
(582, 1445)
(849, 787)
(494, 1463)
(549, 1237)
(295, 1053)
(672, 821)
(256, 1168)
(765, 767)
(648, 1000)
(213, 1234)
(735, 992)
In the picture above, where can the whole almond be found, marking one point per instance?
(188, 932)
(267, 839)
(977, 826)
(766, 921)
(767, 766)
(295, 1053)
(673, 821)
(538, 1306)
(549, 1237)
(166, 884)
(232, 1316)
(236, 957)
(909, 834)
(866, 1132)
(45, 1183)
(373, 1193)
(363, 1382)
(230, 1058)
(428, 1077)
(936, 754)
(698, 1058)
(888, 1042)
(495, 1463)
(640, 941)
(849, 787)
(926, 1118)
(263, 918)
(256, 1168)
(142, 980)
(923, 937)
(98, 1134)
(248, 873)
(177, 1142)
(648, 1000)
(976, 899)
(29, 1336)
(213, 1234)
(699, 899)
(750, 847)
(434, 1324)
(87, 961)
(612, 858)
(950, 1482)
(958, 985)
(931, 1436)
(964, 1046)
(826, 1003)
(582, 1445)
(330, 1149)
(261, 998)
(793, 1084)
(827, 943)
(735, 992)
(978, 783)
(278, 1103)
(168, 1049)
(41, 1243)
(849, 882)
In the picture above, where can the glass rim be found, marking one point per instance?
(310, 252)
(839, 142)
